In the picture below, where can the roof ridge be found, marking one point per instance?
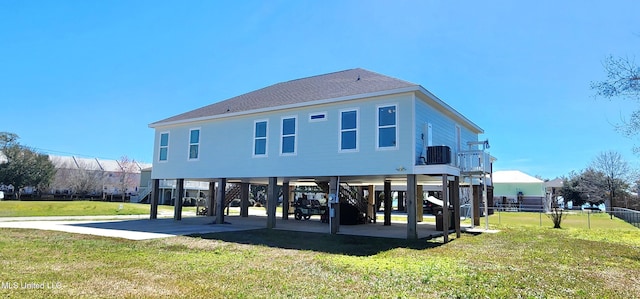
(344, 83)
(379, 74)
(309, 77)
(323, 75)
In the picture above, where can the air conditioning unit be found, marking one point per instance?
(440, 154)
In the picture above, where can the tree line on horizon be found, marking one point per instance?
(22, 167)
(609, 177)
(609, 180)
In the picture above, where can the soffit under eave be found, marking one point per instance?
(448, 110)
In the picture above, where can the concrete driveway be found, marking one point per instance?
(133, 229)
(140, 227)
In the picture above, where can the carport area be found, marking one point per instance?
(344, 202)
(396, 230)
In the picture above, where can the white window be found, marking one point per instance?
(289, 130)
(387, 134)
(164, 146)
(194, 143)
(260, 138)
(348, 130)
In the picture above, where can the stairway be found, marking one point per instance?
(349, 195)
(324, 186)
(352, 196)
(232, 192)
(143, 195)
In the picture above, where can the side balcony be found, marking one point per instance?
(471, 162)
(474, 162)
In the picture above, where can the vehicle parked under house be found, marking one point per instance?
(347, 132)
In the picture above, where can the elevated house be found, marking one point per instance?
(346, 132)
(193, 190)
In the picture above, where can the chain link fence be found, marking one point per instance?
(582, 218)
(630, 216)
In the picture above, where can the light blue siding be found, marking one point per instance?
(443, 130)
(226, 145)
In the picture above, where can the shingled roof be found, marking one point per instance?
(328, 86)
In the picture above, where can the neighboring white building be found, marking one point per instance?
(517, 189)
(97, 177)
(353, 126)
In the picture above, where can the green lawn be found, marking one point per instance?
(75, 208)
(520, 261)
(93, 208)
(574, 219)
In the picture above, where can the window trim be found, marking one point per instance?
(266, 139)
(324, 118)
(160, 146)
(191, 144)
(357, 130)
(378, 127)
(295, 135)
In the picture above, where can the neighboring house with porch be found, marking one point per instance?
(518, 191)
(193, 190)
(553, 190)
(351, 130)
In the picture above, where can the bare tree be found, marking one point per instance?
(623, 81)
(62, 179)
(85, 180)
(127, 175)
(616, 171)
(78, 177)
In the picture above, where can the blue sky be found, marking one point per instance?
(87, 77)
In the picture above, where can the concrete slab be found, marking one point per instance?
(70, 226)
(478, 230)
(79, 218)
(139, 227)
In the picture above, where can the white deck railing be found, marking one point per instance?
(474, 161)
